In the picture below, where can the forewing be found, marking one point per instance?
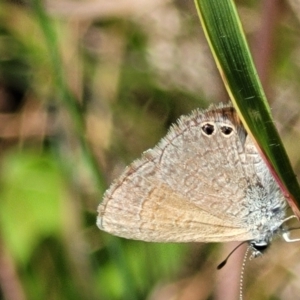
(140, 207)
(190, 187)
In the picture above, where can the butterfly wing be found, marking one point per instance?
(191, 187)
(140, 207)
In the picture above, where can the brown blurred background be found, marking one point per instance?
(133, 67)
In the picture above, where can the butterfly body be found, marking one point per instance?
(204, 182)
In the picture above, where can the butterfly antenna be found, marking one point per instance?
(243, 271)
(223, 263)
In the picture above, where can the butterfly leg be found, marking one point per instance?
(286, 237)
(286, 233)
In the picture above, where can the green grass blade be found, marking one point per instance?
(76, 113)
(64, 94)
(228, 44)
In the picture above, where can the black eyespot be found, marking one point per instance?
(226, 130)
(208, 129)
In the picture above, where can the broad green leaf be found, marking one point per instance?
(32, 205)
(228, 44)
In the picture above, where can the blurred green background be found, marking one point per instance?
(133, 67)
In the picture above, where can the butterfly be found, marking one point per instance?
(205, 181)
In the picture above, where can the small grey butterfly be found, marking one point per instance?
(205, 181)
